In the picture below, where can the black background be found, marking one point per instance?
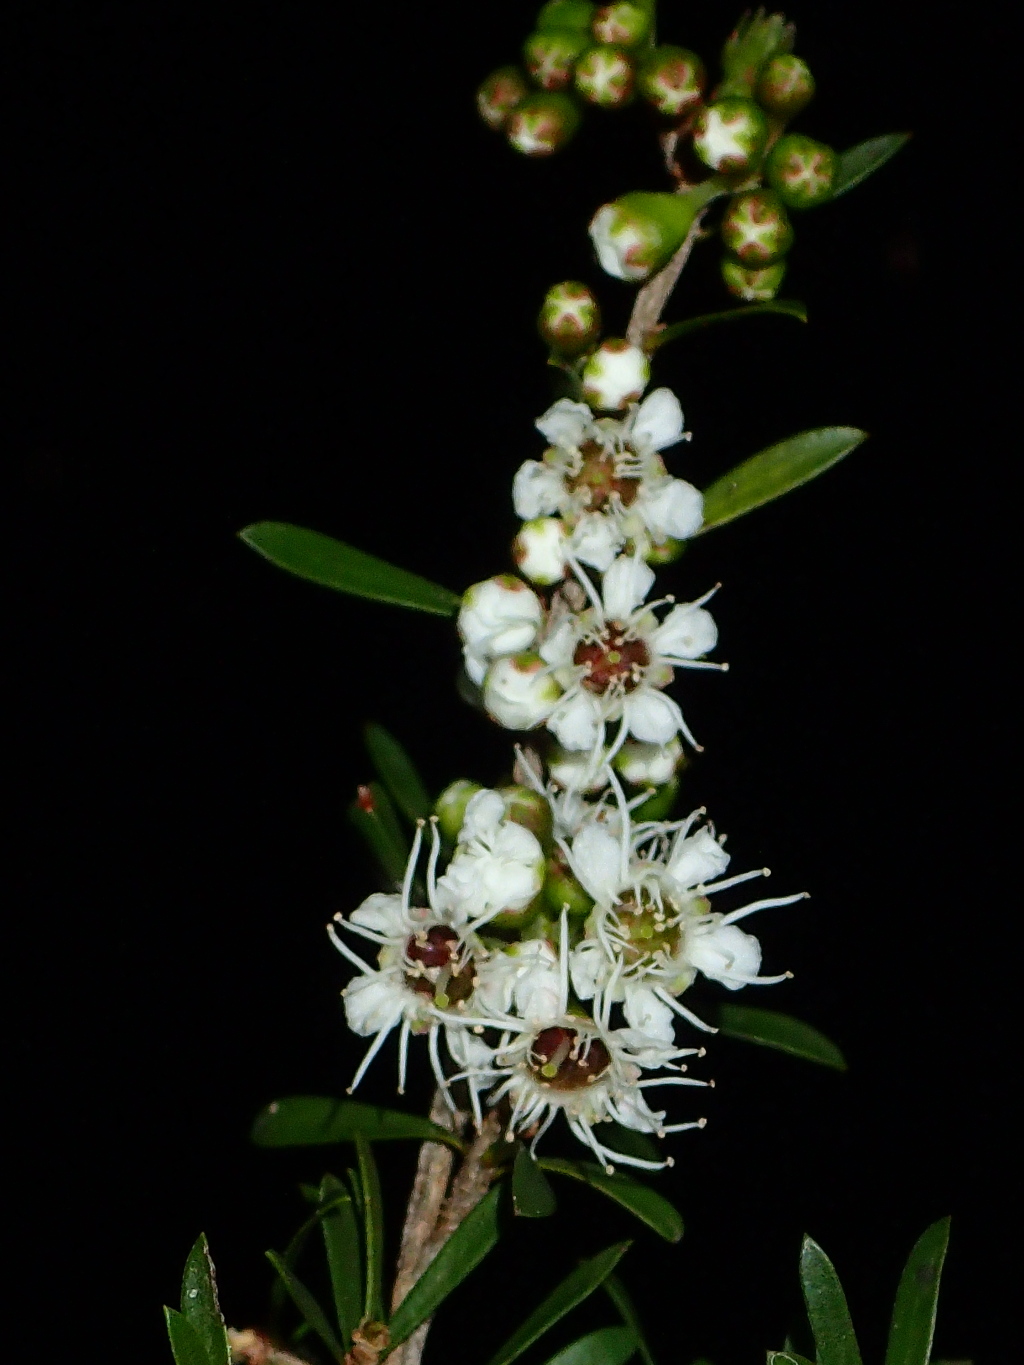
(265, 263)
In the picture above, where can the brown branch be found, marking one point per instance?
(433, 1171)
(652, 298)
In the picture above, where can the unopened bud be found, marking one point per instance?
(570, 319)
(519, 692)
(542, 124)
(500, 93)
(753, 286)
(624, 24)
(499, 616)
(756, 228)
(562, 888)
(616, 374)
(786, 85)
(450, 808)
(574, 770)
(529, 809)
(550, 57)
(539, 550)
(566, 14)
(757, 38)
(802, 171)
(672, 79)
(605, 76)
(649, 765)
(730, 135)
(637, 233)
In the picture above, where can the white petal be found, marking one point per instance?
(539, 550)
(565, 423)
(484, 813)
(588, 967)
(499, 616)
(575, 724)
(373, 1003)
(596, 540)
(659, 420)
(725, 953)
(537, 490)
(597, 862)
(476, 666)
(646, 1013)
(625, 586)
(557, 650)
(519, 693)
(645, 765)
(670, 507)
(382, 913)
(651, 716)
(696, 859)
(687, 632)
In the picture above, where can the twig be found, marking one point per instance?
(652, 298)
(433, 1171)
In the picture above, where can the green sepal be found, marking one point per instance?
(779, 1031)
(757, 38)
(532, 1195)
(318, 1120)
(639, 1200)
(835, 1341)
(790, 308)
(917, 1299)
(857, 163)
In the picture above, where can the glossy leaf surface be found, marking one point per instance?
(342, 1245)
(307, 1305)
(790, 308)
(620, 1297)
(576, 1287)
(199, 1303)
(606, 1346)
(333, 564)
(313, 1120)
(857, 163)
(532, 1195)
(780, 1031)
(775, 471)
(475, 1236)
(373, 1230)
(186, 1346)
(397, 772)
(917, 1299)
(641, 1201)
(834, 1338)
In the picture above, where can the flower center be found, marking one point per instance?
(566, 1061)
(612, 660)
(437, 973)
(599, 482)
(644, 930)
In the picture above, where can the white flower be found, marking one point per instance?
(498, 865)
(499, 616)
(524, 977)
(615, 374)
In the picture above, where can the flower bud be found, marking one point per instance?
(624, 24)
(450, 807)
(542, 124)
(577, 15)
(550, 57)
(604, 76)
(539, 550)
(637, 233)
(755, 41)
(499, 616)
(616, 374)
(570, 319)
(730, 135)
(673, 80)
(500, 93)
(786, 85)
(574, 770)
(752, 286)
(562, 888)
(649, 765)
(756, 228)
(519, 692)
(529, 809)
(802, 171)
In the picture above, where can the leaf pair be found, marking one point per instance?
(197, 1333)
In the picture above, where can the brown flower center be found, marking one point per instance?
(612, 660)
(438, 975)
(598, 480)
(566, 1061)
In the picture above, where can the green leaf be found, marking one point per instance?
(781, 1031)
(917, 1299)
(775, 471)
(787, 1358)
(333, 564)
(606, 1346)
(374, 817)
(475, 1236)
(397, 772)
(307, 1305)
(199, 1303)
(186, 1345)
(834, 1337)
(588, 1276)
(292, 1252)
(641, 1201)
(790, 308)
(315, 1120)
(532, 1195)
(618, 1138)
(619, 1295)
(857, 163)
(341, 1243)
(373, 1229)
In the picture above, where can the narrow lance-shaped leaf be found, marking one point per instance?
(397, 772)
(341, 1243)
(606, 1346)
(917, 1299)
(857, 163)
(780, 1031)
(576, 1287)
(333, 564)
(316, 1120)
(834, 1338)
(292, 1252)
(475, 1236)
(619, 1295)
(186, 1346)
(641, 1201)
(199, 1303)
(373, 1229)
(790, 308)
(532, 1195)
(307, 1305)
(374, 817)
(775, 471)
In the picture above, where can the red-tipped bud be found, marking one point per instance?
(730, 135)
(756, 228)
(605, 76)
(543, 124)
(672, 79)
(785, 86)
(501, 92)
(551, 57)
(802, 171)
(623, 24)
(752, 286)
(570, 320)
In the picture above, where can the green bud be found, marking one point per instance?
(802, 171)
(659, 803)
(543, 124)
(757, 38)
(637, 233)
(570, 319)
(623, 24)
(756, 228)
(529, 809)
(562, 888)
(730, 135)
(786, 85)
(605, 76)
(500, 93)
(752, 286)
(550, 57)
(672, 79)
(577, 15)
(450, 807)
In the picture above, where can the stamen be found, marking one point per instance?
(435, 851)
(674, 1004)
(371, 1052)
(745, 910)
(346, 951)
(410, 867)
